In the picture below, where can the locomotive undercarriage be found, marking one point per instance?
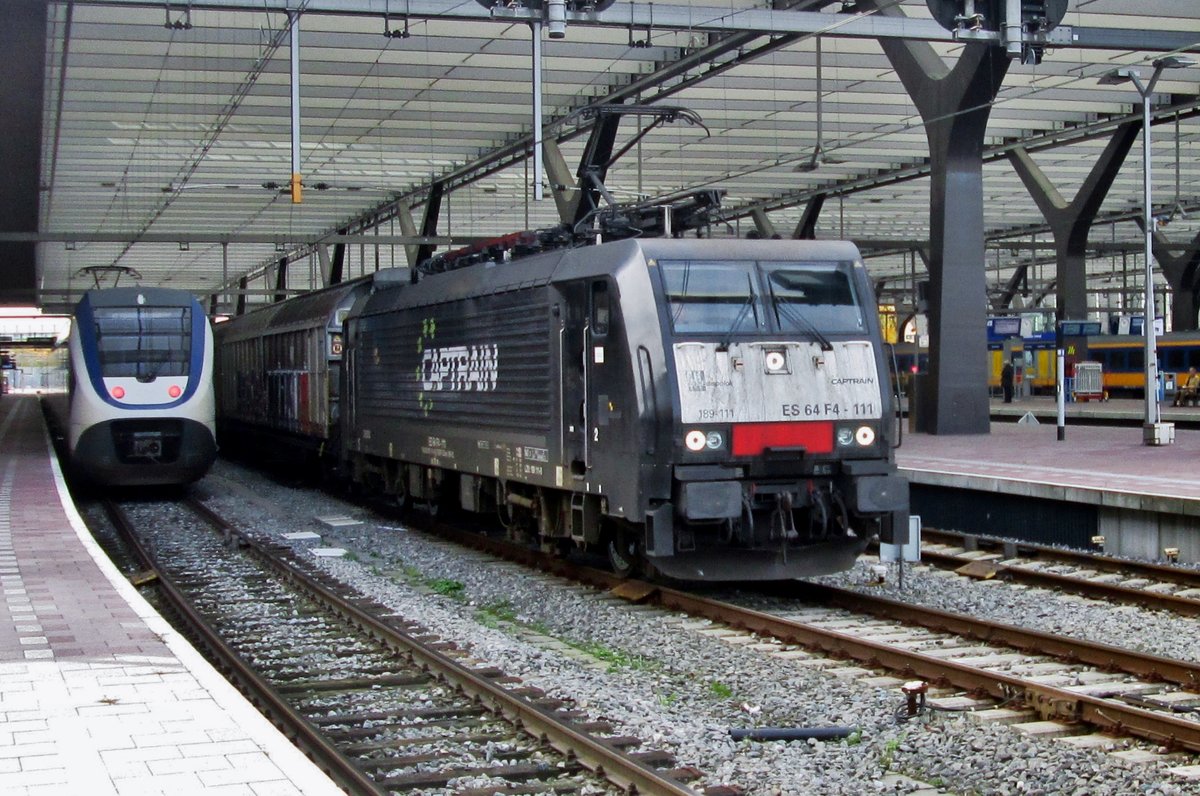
(783, 529)
(780, 530)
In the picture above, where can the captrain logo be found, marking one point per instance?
(459, 368)
(462, 368)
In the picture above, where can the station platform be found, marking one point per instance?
(98, 694)
(1115, 411)
(1105, 465)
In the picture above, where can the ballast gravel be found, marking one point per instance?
(657, 676)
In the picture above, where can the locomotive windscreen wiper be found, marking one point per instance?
(798, 318)
(742, 312)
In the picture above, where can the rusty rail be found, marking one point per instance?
(620, 768)
(1180, 576)
(1048, 701)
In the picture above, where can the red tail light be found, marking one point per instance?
(751, 439)
(118, 392)
(174, 391)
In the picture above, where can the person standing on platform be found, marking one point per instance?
(1006, 381)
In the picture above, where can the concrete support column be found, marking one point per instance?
(1071, 222)
(562, 183)
(763, 224)
(408, 227)
(807, 228)
(955, 104)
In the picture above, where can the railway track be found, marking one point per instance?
(378, 701)
(1150, 585)
(1086, 688)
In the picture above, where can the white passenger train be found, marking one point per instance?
(139, 407)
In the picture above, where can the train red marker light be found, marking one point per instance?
(118, 392)
(174, 391)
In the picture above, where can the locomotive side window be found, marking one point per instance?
(600, 308)
(143, 342)
(814, 295)
(710, 297)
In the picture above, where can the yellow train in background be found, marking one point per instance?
(1120, 356)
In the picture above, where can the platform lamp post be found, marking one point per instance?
(1154, 431)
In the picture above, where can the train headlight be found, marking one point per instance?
(174, 391)
(844, 437)
(118, 392)
(697, 440)
(864, 436)
(775, 361)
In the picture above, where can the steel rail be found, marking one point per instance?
(1048, 701)
(285, 718)
(1167, 572)
(599, 756)
(1104, 656)
(1186, 606)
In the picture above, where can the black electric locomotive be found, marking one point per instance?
(706, 409)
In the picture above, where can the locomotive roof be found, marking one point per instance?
(589, 261)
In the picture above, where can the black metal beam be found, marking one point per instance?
(1071, 222)
(23, 42)
(281, 270)
(433, 208)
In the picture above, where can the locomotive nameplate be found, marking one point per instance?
(749, 384)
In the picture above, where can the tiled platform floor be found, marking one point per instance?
(98, 695)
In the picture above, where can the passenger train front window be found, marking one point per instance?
(143, 342)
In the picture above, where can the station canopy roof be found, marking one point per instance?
(167, 143)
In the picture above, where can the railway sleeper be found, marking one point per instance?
(392, 715)
(525, 790)
(396, 743)
(379, 763)
(374, 731)
(435, 779)
(353, 684)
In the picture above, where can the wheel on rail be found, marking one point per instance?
(622, 548)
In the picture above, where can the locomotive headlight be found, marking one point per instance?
(864, 436)
(776, 361)
(695, 441)
(714, 441)
(844, 437)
